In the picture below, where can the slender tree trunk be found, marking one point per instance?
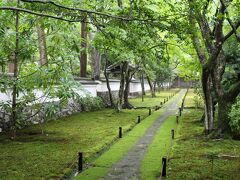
(128, 78)
(142, 85)
(121, 88)
(151, 87)
(155, 87)
(83, 54)
(108, 86)
(42, 45)
(14, 113)
(143, 88)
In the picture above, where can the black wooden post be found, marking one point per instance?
(180, 112)
(177, 119)
(80, 162)
(164, 166)
(139, 119)
(182, 104)
(172, 133)
(120, 132)
(161, 103)
(149, 111)
(164, 101)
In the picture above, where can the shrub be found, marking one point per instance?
(90, 103)
(234, 116)
(198, 101)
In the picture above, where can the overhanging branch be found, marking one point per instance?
(75, 9)
(38, 14)
(103, 14)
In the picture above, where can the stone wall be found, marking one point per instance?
(89, 88)
(105, 97)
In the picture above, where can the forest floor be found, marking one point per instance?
(53, 155)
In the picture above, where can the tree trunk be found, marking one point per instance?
(14, 113)
(42, 45)
(10, 67)
(121, 88)
(143, 88)
(96, 62)
(155, 87)
(120, 3)
(142, 85)
(83, 54)
(151, 87)
(108, 86)
(128, 77)
(224, 107)
(207, 83)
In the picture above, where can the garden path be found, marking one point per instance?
(128, 167)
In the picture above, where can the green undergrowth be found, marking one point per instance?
(54, 153)
(103, 164)
(197, 156)
(152, 162)
(192, 100)
(151, 102)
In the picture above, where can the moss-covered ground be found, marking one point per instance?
(197, 156)
(55, 153)
(149, 101)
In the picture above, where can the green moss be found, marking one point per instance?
(54, 153)
(118, 150)
(196, 156)
(193, 100)
(149, 101)
(151, 164)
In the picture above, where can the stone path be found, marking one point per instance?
(128, 167)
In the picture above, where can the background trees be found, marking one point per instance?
(50, 42)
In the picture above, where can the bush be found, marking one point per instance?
(90, 103)
(234, 116)
(198, 98)
(198, 101)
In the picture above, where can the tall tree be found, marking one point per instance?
(42, 44)
(208, 42)
(83, 54)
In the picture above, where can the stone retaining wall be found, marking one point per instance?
(92, 88)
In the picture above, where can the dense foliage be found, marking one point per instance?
(235, 117)
(45, 44)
